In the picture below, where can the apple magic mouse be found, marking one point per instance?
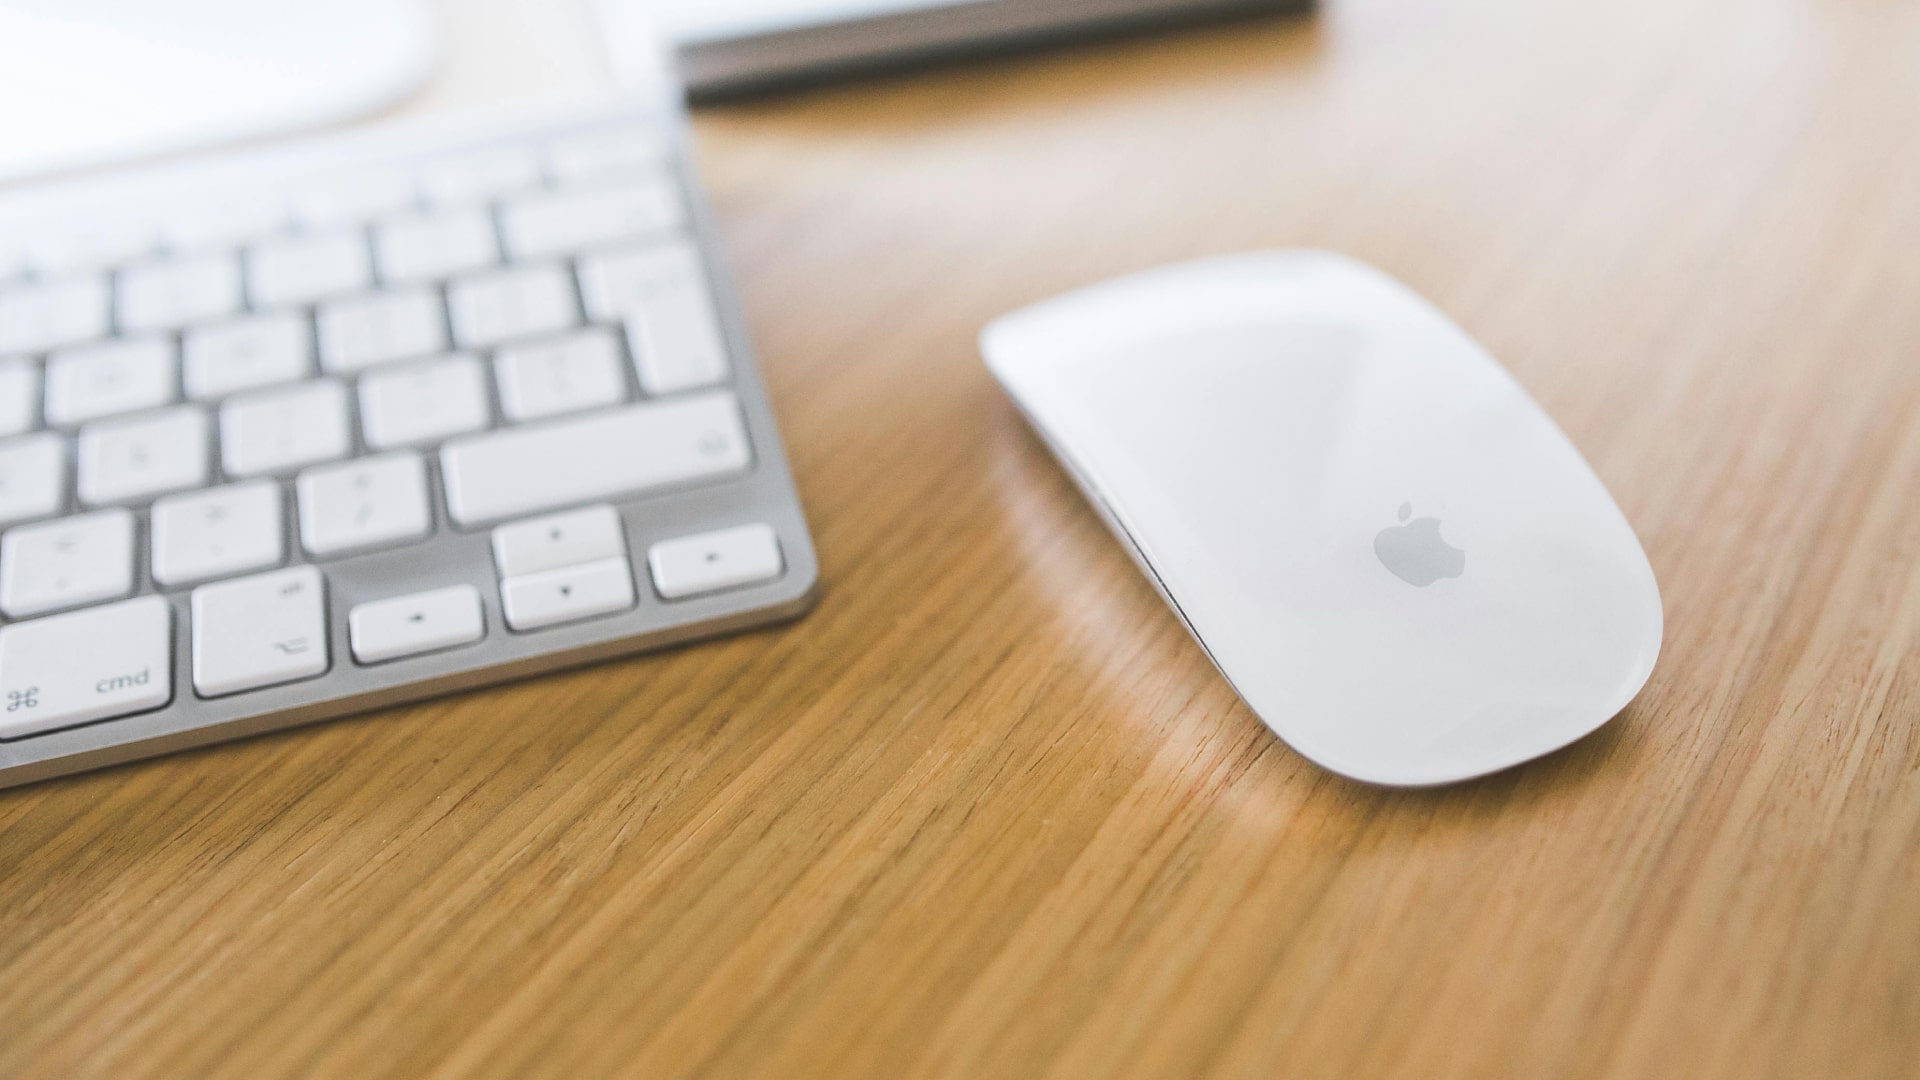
(1390, 551)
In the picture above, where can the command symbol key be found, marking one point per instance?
(85, 666)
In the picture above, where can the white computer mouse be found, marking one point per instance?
(1392, 553)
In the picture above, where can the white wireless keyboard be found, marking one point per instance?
(303, 432)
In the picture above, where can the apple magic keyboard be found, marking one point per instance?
(295, 433)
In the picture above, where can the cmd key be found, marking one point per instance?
(85, 666)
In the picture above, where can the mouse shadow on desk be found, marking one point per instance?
(1548, 784)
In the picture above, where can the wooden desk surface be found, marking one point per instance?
(988, 812)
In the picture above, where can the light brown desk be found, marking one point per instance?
(988, 812)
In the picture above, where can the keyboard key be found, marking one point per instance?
(672, 328)
(598, 155)
(33, 473)
(434, 247)
(617, 285)
(66, 563)
(94, 240)
(271, 431)
(511, 304)
(411, 625)
(565, 222)
(216, 533)
(558, 540)
(364, 504)
(354, 196)
(709, 562)
(480, 176)
(567, 595)
(259, 631)
(19, 395)
(359, 333)
(86, 666)
(115, 377)
(559, 375)
(227, 220)
(246, 354)
(35, 318)
(638, 448)
(305, 269)
(424, 402)
(170, 294)
(142, 456)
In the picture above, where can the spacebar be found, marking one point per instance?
(625, 451)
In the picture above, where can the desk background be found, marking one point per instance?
(988, 812)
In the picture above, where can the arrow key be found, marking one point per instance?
(556, 540)
(534, 601)
(709, 562)
(419, 623)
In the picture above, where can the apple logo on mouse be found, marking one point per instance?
(1415, 551)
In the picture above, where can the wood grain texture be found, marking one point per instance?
(988, 812)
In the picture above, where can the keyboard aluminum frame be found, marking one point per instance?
(453, 555)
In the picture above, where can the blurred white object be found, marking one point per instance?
(732, 46)
(93, 82)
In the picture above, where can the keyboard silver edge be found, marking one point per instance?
(765, 493)
(458, 679)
